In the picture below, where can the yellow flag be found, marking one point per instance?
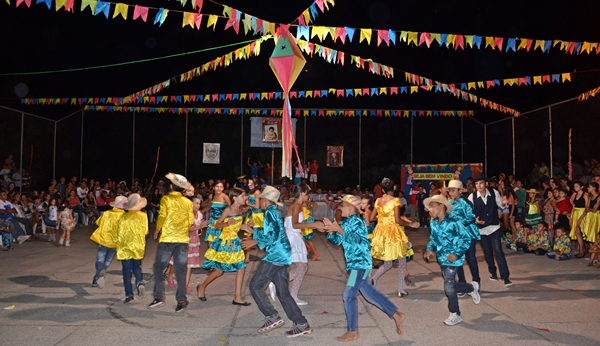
(357, 92)
(586, 47)
(566, 77)
(539, 43)
(414, 89)
(264, 96)
(58, 4)
(90, 3)
(329, 31)
(436, 37)
(382, 91)
(186, 98)
(469, 39)
(555, 42)
(471, 85)
(405, 114)
(412, 37)
(403, 36)
(489, 41)
(188, 19)
(522, 44)
(307, 18)
(206, 98)
(212, 21)
(365, 34)
(316, 31)
(243, 96)
(564, 45)
(451, 40)
(386, 113)
(506, 82)
(122, 10)
(309, 93)
(480, 85)
(537, 80)
(8, 2)
(228, 58)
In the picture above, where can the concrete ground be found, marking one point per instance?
(47, 299)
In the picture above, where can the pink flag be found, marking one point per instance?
(140, 11)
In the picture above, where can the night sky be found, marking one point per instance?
(38, 39)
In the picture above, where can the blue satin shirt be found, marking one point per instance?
(272, 237)
(356, 244)
(449, 237)
(463, 212)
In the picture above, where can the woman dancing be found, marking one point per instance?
(219, 201)
(389, 240)
(225, 253)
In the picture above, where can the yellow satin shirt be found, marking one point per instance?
(107, 233)
(133, 229)
(175, 217)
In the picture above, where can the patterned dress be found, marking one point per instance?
(307, 233)
(216, 210)
(256, 215)
(194, 247)
(225, 252)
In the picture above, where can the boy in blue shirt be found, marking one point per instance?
(352, 233)
(450, 239)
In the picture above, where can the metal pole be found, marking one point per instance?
(242, 147)
(550, 136)
(462, 142)
(513, 145)
(186, 145)
(81, 149)
(485, 146)
(21, 156)
(304, 158)
(272, 164)
(133, 150)
(359, 149)
(54, 155)
(411, 139)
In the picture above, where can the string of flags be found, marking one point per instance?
(245, 52)
(278, 112)
(333, 56)
(586, 95)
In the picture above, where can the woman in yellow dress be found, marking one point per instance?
(389, 240)
(589, 222)
(578, 202)
(225, 253)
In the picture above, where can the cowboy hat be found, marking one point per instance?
(241, 177)
(178, 180)
(119, 202)
(532, 191)
(135, 202)
(438, 199)
(480, 177)
(353, 200)
(456, 184)
(272, 194)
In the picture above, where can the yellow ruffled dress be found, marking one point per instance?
(590, 226)
(225, 252)
(389, 240)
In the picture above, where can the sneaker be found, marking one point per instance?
(156, 303)
(95, 283)
(475, 294)
(507, 282)
(298, 330)
(141, 288)
(514, 248)
(100, 282)
(453, 319)
(300, 302)
(181, 306)
(22, 238)
(271, 323)
(460, 294)
(494, 277)
(68, 243)
(272, 291)
(128, 300)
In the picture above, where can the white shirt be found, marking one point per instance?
(491, 228)
(81, 193)
(4, 205)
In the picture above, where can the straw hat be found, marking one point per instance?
(272, 194)
(351, 199)
(135, 202)
(532, 191)
(457, 184)
(438, 199)
(178, 180)
(119, 202)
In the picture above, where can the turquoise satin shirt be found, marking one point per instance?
(356, 244)
(449, 237)
(463, 212)
(273, 239)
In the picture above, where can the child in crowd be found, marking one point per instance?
(67, 223)
(519, 236)
(562, 246)
(538, 242)
(594, 250)
(523, 244)
(51, 220)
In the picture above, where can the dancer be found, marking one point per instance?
(308, 234)
(389, 240)
(485, 206)
(589, 221)
(67, 224)
(175, 216)
(352, 235)
(578, 201)
(255, 213)
(106, 236)
(225, 253)
(450, 240)
(294, 222)
(218, 202)
(274, 267)
(131, 244)
(462, 211)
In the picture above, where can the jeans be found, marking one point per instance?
(103, 258)
(278, 274)
(472, 262)
(451, 287)
(152, 212)
(359, 281)
(491, 246)
(179, 251)
(78, 209)
(25, 222)
(131, 266)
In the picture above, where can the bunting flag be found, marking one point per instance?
(454, 41)
(252, 49)
(278, 112)
(586, 95)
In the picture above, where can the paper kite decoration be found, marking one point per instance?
(287, 62)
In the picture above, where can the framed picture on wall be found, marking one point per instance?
(212, 153)
(335, 156)
(271, 130)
